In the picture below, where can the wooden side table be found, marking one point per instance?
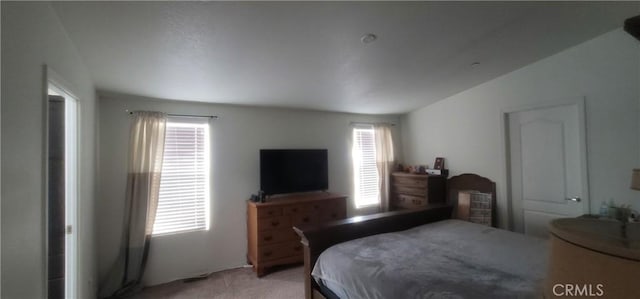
(589, 258)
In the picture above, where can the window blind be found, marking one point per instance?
(184, 184)
(365, 170)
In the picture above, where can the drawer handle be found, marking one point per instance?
(268, 253)
(275, 223)
(305, 219)
(268, 238)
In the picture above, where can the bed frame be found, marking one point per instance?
(317, 238)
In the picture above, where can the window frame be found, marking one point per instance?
(194, 122)
(356, 155)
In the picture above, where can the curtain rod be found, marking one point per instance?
(184, 115)
(353, 123)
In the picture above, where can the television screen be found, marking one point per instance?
(293, 170)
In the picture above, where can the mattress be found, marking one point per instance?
(445, 259)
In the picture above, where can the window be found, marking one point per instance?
(183, 203)
(364, 167)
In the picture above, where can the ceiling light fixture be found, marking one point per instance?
(368, 38)
(475, 64)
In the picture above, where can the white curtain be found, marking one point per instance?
(384, 161)
(146, 149)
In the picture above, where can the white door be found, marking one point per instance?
(547, 166)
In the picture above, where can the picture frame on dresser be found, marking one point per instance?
(439, 163)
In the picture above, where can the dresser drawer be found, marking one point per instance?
(294, 209)
(264, 212)
(415, 191)
(420, 182)
(408, 201)
(304, 218)
(316, 207)
(274, 223)
(332, 214)
(277, 236)
(280, 250)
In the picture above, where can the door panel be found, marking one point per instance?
(542, 148)
(547, 154)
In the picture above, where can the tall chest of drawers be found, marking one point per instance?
(270, 237)
(415, 191)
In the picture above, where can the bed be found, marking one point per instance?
(421, 254)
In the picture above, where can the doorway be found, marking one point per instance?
(62, 191)
(547, 165)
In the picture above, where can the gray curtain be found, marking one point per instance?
(146, 149)
(384, 161)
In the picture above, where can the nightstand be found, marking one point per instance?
(590, 254)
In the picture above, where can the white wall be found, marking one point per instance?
(32, 36)
(236, 139)
(466, 128)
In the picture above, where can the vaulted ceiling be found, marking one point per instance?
(310, 55)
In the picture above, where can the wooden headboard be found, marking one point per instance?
(470, 181)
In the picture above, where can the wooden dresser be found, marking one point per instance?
(270, 236)
(415, 191)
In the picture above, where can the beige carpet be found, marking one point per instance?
(235, 283)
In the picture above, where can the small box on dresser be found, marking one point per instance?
(415, 191)
(271, 239)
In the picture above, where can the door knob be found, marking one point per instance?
(576, 199)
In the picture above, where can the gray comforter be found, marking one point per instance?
(446, 259)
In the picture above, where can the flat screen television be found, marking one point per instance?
(293, 170)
